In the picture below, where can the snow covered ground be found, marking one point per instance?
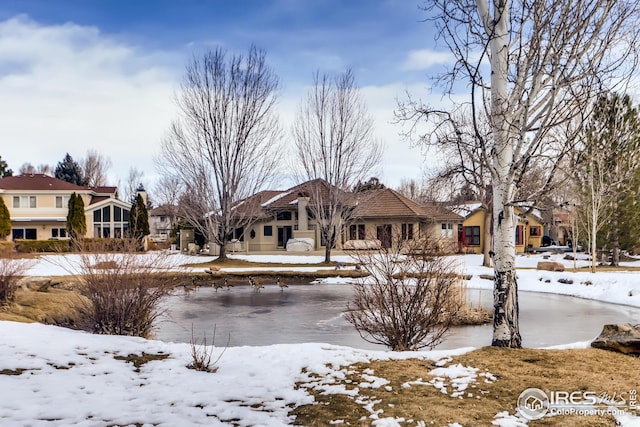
(70, 378)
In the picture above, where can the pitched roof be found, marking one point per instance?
(466, 209)
(104, 189)
(388, 203)
(287, 199)
(35, 182)
(254, 205)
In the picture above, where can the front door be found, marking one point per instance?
(284, 234)
(383, 233)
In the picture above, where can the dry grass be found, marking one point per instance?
(516, 370)
(53, 306)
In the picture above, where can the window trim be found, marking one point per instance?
(471, 237)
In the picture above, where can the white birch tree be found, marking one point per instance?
(531, 66)
(224, 146)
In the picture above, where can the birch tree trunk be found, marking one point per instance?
(486, 248)
(506, 328)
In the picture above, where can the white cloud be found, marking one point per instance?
(424, 59)
(70, 88)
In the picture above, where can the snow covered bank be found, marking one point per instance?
(72, 378)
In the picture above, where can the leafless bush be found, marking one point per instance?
(201, 354)
(11, 270)
(125, 289)
(409, 301)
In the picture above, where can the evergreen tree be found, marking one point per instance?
(5, 220)
(139, 219)
(4, 169)
(76, 220)
(69, 170)
(605, 171)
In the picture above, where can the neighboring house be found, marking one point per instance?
(161, 222)
(384, 215)
(378, 215)
(38, 207)
(529, 230)
(283, 215)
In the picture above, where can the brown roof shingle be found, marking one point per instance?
(36, 182)
(388, 203)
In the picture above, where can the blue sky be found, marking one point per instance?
(79, 75)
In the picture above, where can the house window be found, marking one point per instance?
(107, 225)
(58, 233)
(62, 202)
(267, 231)
(238, 234)
(447, 231)
(356, 232)
(535, 231)
(519, 235)
(284, 216)
(472, 236)
(24, 233)
(24, 202)
(407, 231)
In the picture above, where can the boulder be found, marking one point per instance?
(623, 338)
(550, 266)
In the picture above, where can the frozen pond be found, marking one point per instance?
(313, 313)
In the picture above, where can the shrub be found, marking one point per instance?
(30, 246)
(100, 244)
(407, 302)
(11, 270)
(125, 290)
(6, 248)
(201, 354)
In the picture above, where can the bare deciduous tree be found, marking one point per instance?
(465, 164)
(27, 169)
(129, 188)
(95, 167)
(224, 146)
(408, 302)
(167, 192)
(531, 66)
(333, 135)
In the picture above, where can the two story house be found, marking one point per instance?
(38, 207)
(529, 228)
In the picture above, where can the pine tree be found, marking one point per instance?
(69, 170)
(610, 156)
(138, 218)
(5, 220)
(76, 220)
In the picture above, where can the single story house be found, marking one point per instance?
(281, 217)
